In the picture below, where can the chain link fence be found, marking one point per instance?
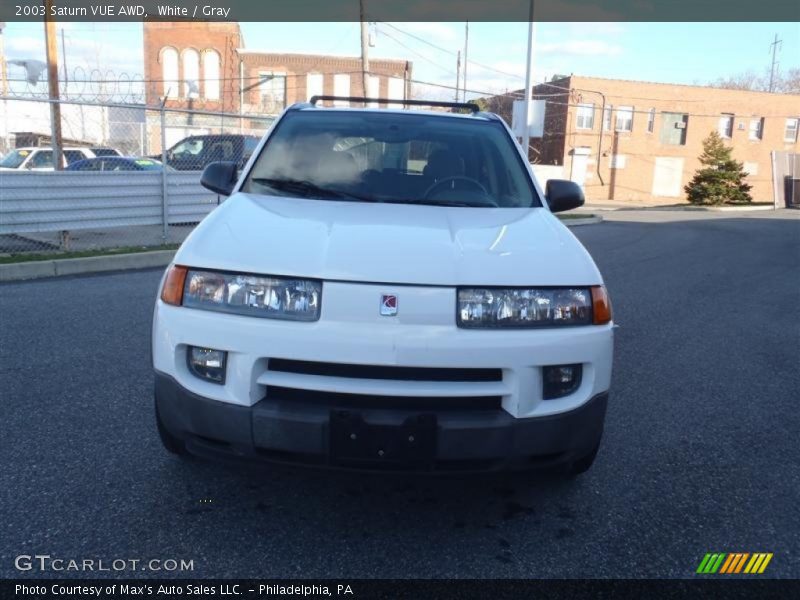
(130, 173)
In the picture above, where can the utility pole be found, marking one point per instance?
(774, 66)
(4, 88)
(458, 74)
(364, 49)
(466, 46)
(3, 75)
(64, 61)
(52, 84)
(526, 137)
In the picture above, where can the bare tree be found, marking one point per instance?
(784, 83)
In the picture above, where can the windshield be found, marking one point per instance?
(14, 159)
(105, 152)
(392, 157)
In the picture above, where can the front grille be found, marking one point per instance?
(304, 367)
(371, 401)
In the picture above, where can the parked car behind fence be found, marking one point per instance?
(34, 158)
(195, 152)
(117, 163)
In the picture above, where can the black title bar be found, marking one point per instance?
(400, 10)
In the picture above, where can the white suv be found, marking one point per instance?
(41, 159)
(384, 289)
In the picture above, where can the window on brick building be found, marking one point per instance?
(314, 85)
(625, 118)
(756, 129)
(673, 128)
(790, 131)
(211, 74)
(396, 91)
(341, 87)
(607, 117)
(651, 120)
(169, 72)
(373, 89)
(191, 73)
(725, 126)
(272, 91)
(584, 118)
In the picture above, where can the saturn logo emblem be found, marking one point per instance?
(388, 305)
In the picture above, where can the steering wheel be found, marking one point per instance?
(473, 182)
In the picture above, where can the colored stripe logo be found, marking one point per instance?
(734, 562)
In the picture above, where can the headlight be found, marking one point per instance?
(535, 307)
(253, 295)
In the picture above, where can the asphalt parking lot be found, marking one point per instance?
(700, 454)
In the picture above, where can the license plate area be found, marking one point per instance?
(354, 442)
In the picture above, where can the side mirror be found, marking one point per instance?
(563, 195)
(220, 177)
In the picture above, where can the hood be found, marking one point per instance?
(388, 243)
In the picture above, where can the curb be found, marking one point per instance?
(737, 208)
(78, 266)
(687, 208)
(579, 222)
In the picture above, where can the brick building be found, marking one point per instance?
(206, 65)
(634, 140)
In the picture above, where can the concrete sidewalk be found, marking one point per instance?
(37, 269)
(608, 205)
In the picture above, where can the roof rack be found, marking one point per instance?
(468, 105)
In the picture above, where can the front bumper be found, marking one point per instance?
(284, 431)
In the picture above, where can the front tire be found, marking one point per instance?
(172, 444)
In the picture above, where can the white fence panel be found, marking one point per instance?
(58, 201)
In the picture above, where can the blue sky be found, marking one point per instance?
(666, 52)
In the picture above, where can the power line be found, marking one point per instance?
(419, 39)
(422, 56)
(432, 45)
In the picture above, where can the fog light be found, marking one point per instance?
(560, 380)
(207, 363)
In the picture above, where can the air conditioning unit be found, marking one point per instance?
(680, 125)
(740, 127)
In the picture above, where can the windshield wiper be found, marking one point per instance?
(307, 189)
(429, 202)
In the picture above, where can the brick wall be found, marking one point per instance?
(238, 64)
(297, 67)
(643, 156)
(223, 38)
